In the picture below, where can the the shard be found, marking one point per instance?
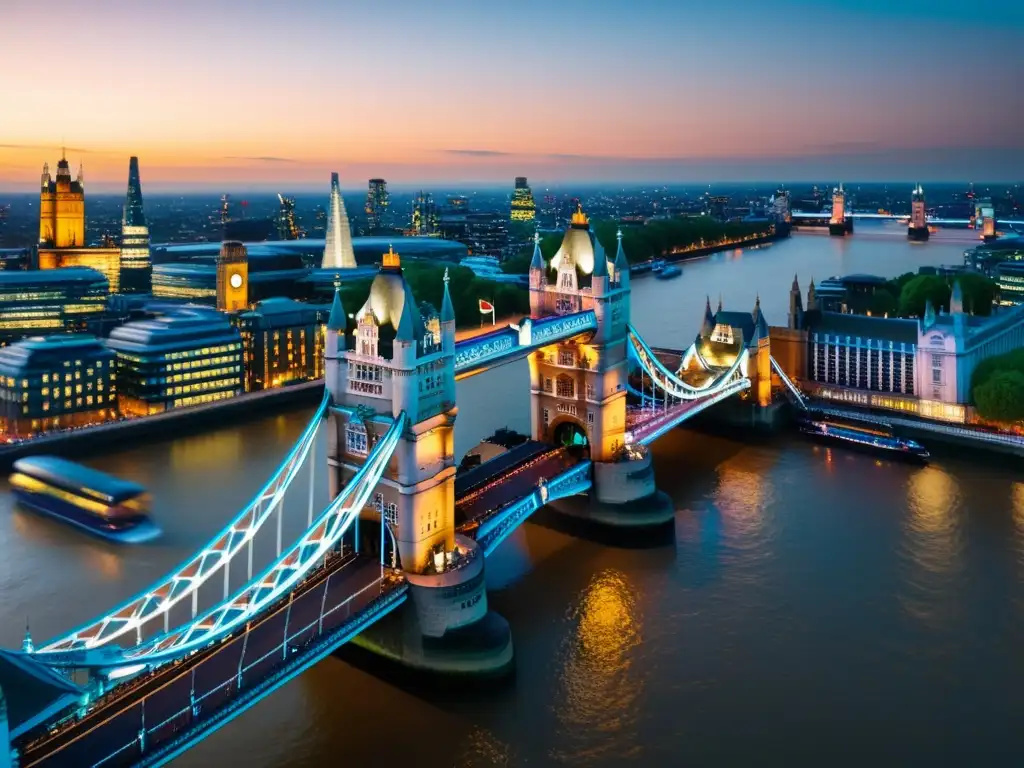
(136, 270)
(338, 253)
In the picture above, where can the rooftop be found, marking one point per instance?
(62, 275)
(895, 329)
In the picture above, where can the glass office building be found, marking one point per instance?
(56, 382)
(189, 356)
(54, 300)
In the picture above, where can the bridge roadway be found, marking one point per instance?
(152, 718)
(513, 476)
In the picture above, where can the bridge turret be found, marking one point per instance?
(796, 307)
(447, 319)
(600, 280)
(812, 297)
(840, 224)
(708, 324)
(918, 229)
(336, 340)
(621, 263)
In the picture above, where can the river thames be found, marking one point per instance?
(813, 607)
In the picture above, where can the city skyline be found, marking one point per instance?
(579, 93)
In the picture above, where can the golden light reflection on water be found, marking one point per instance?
(740, 496)
(932, 545)
(224, 448)
(599, 684)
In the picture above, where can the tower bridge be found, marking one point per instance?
(159, 672)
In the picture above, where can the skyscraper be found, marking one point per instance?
(287, 226)
(523, 207)
(424, 214)
(136, 269)
(377, 203)
(338, 253)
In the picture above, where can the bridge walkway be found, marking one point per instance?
(515, 474)
(179, 703)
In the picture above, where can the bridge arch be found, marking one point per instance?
(568, 431)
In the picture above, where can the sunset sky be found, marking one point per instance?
(277, 94)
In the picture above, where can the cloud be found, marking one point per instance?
(479, 153)
(262, 159)
(43, 147)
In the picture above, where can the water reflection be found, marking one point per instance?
(740, 497)
(931, 544)
(1017, 501)
(599, 686)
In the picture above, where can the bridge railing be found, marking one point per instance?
(282, 575)
(795, 394)
(185, 580)
(668, 381)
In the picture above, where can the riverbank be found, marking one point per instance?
(163, 425)
(696, 253)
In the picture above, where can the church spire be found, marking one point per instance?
(757, 307)
(338, 253)
(719, 302)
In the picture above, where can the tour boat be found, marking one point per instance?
(669, 272)
(105, 506)
(875, 439)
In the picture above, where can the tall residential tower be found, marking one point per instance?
(338, 253)
(136, 268)
(377, 202)
(523, 207)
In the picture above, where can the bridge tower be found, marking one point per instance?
(840, 224)
(986, 219)
(391, 357)
(578, 387)
(918, 229)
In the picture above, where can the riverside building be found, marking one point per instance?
(282, 342)
(69, 299)
(62, 227)
(189, 356)
(56, 382)
(920, 366)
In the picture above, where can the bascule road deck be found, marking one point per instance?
(486, 489)
(185, 696)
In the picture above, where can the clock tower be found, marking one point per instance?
(232, 277)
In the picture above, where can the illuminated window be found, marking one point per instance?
(355, 439)
(566, 357)
(391, 513)
(565, 387)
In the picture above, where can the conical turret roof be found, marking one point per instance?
(538, 258)
(447, 310)
(337, 320)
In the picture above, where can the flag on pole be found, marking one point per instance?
(485, 308)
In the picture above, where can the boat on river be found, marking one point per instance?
(669, 272)
(105, 506)
(875, 438)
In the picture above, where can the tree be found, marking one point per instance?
(1009, 361)
(979, 292)
(1001, 398)
(882, 302)
(923, 288)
